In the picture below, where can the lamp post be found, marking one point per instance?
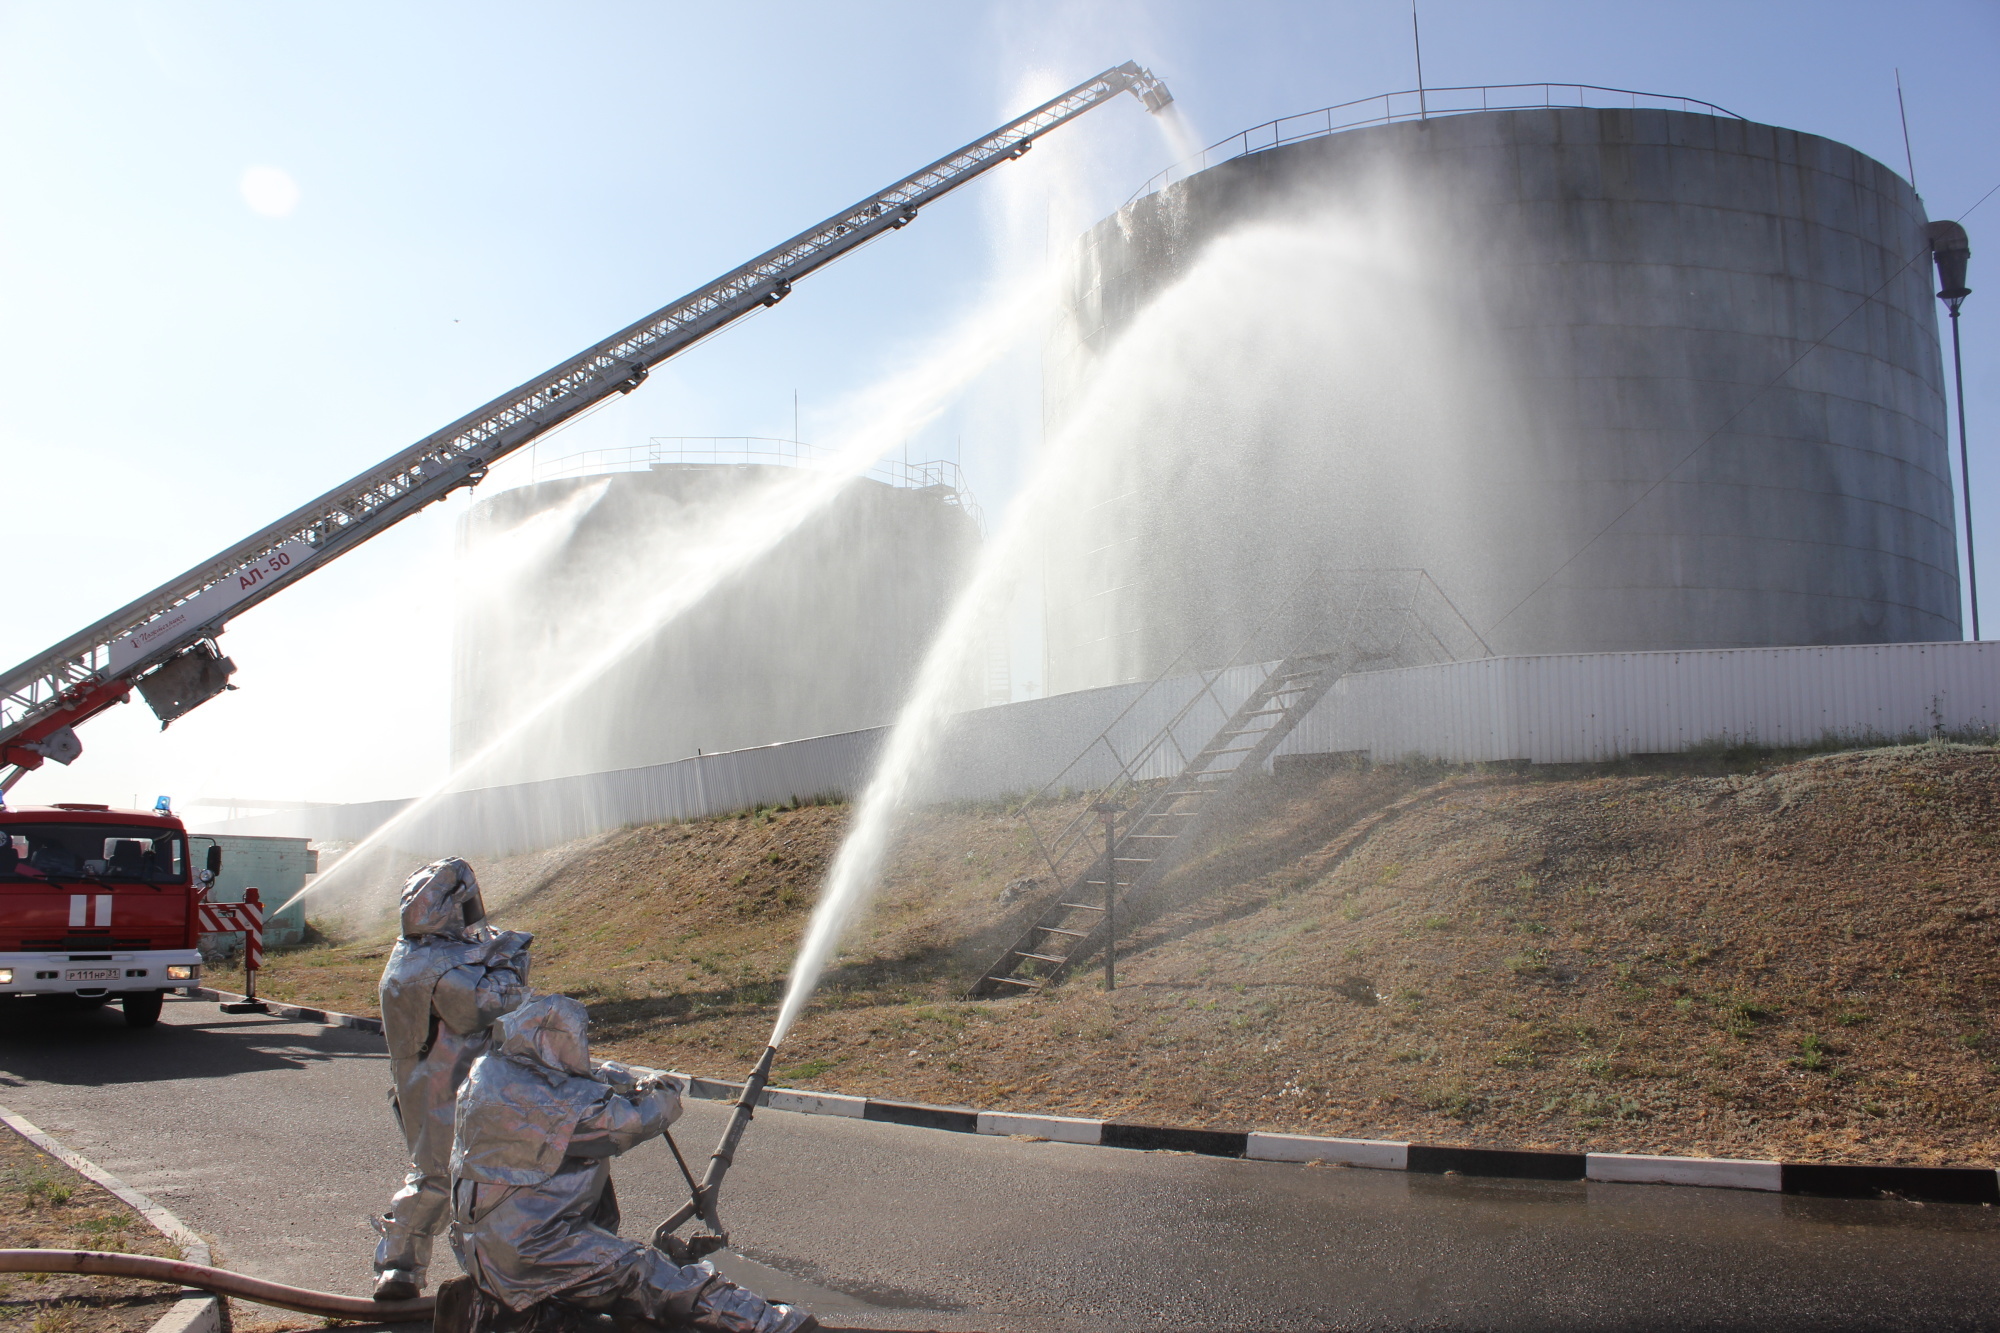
(1949, 251)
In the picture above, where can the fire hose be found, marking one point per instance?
(218, 1280)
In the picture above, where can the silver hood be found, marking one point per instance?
(442, 899)
(552, 1031)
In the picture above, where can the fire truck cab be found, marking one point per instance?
(97, 905)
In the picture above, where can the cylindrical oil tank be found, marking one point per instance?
(562, 583)
(1687, 365)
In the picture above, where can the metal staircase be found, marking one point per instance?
(1076, 924)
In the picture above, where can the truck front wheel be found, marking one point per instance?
(142, 1010)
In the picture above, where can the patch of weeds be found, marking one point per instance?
(809, 1069)
(1848, 1018)
(1970, 1040)
(1435, 923)
(68, 1317)
(1595, 1108)
(1448, 1099)
(1596, 1066)
(1353, 911)
(1812, 1052)
(1409, 995)
(1530, 963)
(1535, 927)
(44, 1187)
(1389, 872)
(1524, 882)
(1738, 1017)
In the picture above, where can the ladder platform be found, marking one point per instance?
(1044, 958)
(1017, 981)
(1057, 930)
(1081, 907)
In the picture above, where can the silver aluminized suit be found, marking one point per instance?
(446, 980)
(534, 1217)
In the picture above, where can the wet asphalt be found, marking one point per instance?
(274, 1139)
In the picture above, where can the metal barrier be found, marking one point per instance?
(1417, 104)
(942, 476)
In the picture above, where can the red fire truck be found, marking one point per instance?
(99, 905)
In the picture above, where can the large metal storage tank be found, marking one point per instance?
(1722, 379)
(819, 635)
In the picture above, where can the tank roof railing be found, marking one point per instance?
(941, 476)
(1418, 104)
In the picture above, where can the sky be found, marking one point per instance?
(248, 250)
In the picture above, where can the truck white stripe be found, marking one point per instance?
(103, 909)
(78, 910)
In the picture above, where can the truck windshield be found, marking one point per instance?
(100, 851)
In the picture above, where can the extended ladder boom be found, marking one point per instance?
(161, 641)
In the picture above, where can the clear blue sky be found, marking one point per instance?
(483, 189)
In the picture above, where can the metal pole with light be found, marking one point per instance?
(1950, 250)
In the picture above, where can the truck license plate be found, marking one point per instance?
(91, 974)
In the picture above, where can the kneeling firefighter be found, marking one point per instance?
(447, 979)
(534, 1217)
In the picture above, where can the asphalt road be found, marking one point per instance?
(273, 1138)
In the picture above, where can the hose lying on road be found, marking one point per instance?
(218, 1280)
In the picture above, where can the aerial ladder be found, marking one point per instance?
(164, 644)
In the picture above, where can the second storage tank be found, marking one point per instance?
(819, 634)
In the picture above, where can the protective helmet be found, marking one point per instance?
(442, 899)
(550, 1030)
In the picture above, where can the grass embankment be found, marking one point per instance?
(1796, 960)
(46, 1206)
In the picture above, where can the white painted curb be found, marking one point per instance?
(1375, 1154)
(197, 1314)
(815, 1103)
(1720, 1172)
(1055, 1128)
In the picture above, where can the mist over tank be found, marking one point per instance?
(818, 636)
(1527, 354)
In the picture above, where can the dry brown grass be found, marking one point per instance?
(46, 1206)
(1796, 961)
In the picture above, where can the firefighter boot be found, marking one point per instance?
(724, 1307)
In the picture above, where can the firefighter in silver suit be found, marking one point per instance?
(534, 1217)
(447, 979)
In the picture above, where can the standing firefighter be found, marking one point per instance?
(534, 1217)
(448, 978)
